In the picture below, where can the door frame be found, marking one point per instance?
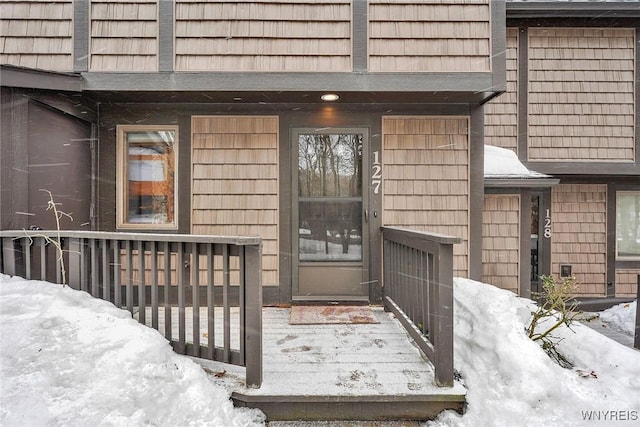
(294, 133)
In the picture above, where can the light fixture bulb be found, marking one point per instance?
(329, 97)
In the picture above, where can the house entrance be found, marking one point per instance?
(540, 237)
(329, 209)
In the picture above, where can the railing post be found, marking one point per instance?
(443, 339)
(253, 313)
(636, 341)
(74, 273)
(9, 256)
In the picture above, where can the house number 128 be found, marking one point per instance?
(376, 173)
(547, 225)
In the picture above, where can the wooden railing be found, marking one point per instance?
(165, 280)
(418, 289)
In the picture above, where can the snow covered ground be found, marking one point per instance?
(622, 317)
(512, 382)
(67, 359)
(71, 360)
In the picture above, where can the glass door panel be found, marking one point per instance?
(329, 202)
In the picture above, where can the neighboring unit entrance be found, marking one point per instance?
(328, 211)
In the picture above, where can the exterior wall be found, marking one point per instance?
(235, 181)
(579, 235)
(37, 34)
(265, 35)
(581, 94)
(501, 114)
(501, 241)
(426, 186)
(627, 282)
(123, 35)
(442, 36)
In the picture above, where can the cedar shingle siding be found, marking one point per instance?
(235, 181)
(626, 282)
(435, 36)
(581, 94)
(240, 35)
(501, 114)
(501, 241)
(124, 35)
(426, 185)
(37, 34)
(579, 234)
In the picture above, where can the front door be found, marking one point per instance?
(329, 239)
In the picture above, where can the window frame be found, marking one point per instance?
(623, 257)
(122, 177)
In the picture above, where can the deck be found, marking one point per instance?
(321, 372)
(340, 372)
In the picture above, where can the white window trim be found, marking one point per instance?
(618, 257)
(122, 162)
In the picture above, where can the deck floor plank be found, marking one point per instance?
(337, 371)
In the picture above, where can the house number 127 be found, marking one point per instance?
(376, 173)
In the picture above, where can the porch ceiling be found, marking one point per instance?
(288, 97)
(267, 87)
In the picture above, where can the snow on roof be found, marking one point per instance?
(503, 163)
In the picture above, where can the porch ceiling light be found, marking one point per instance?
(329, 97)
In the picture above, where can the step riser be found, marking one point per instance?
(332, 408)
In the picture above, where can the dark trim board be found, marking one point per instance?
(525, 244)
(574, 9)
(520, 182)
(476, 192)
(498, 46)
(610, 218)
(350, 408)
(165, 35)
(28, 78)
(359, 36)
(476, 86)
(81, 20)
(585, 168)
(523, 94)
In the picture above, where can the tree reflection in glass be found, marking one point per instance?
(330, 197)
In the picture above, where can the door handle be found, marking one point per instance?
(366, 215)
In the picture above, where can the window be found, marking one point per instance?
(628, 225)
(146, 186)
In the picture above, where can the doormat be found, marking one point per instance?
(330, 315)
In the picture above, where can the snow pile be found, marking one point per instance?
(621, 317)
(503, 163)
(511, 381)
(69, 359)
